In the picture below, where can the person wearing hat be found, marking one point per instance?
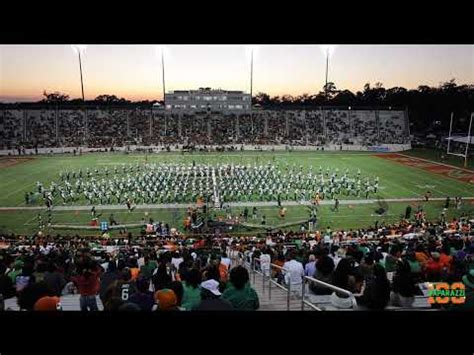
(211, 298)
(48, 303)
(166, 300)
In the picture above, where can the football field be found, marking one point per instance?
(403, 180)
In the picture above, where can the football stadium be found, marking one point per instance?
(213, 200)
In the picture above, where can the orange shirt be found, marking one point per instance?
(421, 257)
(445, 260)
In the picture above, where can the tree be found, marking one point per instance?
(330, 89)
(107, 99)
(262, 99)
(54, 97)
(344, 98)
(449, 85)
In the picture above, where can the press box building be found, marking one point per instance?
(207, 100)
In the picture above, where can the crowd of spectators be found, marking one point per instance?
(106, 128)
(381, 266)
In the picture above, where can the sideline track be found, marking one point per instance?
(231, 204)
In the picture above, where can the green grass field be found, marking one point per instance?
(396, 181)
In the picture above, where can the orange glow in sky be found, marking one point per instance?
(134, 71)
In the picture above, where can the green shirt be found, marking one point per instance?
(415, 266)
(13, 274)
(147, 269)
(191, 297)
(245, 299)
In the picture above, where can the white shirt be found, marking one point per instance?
(294, 272)
(265, 261)
(226, 262)
(176, 262)
(105, 266)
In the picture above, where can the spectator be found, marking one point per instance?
(48, 303)
(192, 291)
(294, 273)
(134, 269)
(143, 297)
(25, 277)
(54, 279)
(166, 300)
(392, 258)
(310, 267)
(176, 260)
(7, 290)
(177, 288)
(239, 293)
(433, 268)
(32, 293)
(403, 288)
(88, 285)
(211, 298)
(324, 272)
(148, 268)
(226, 260)
(16, 270)
(377, 290)
(366, 268)
(344, 279)
(265, 261)
(107, 278)
(415, 266)
(161, 279)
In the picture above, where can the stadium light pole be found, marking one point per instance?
(328, 51)
(250, 51)
(160, 52)
(468, 141)
(82, 49)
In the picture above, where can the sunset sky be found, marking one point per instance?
(134, 71)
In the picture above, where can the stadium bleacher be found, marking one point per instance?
(118, 127)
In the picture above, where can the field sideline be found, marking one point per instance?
(397, 182)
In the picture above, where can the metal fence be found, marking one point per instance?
(255, 266)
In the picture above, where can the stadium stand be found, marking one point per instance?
(119, 127)
(389, 267)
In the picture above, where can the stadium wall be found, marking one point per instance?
(267, 148)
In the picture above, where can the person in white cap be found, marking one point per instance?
(211, 297)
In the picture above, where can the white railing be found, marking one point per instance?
(271, 281)
(326, 285)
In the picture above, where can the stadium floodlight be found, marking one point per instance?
(162, 51)
(251, 51)
(80, 49)
(328, 51)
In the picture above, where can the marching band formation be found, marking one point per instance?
(183, 183)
